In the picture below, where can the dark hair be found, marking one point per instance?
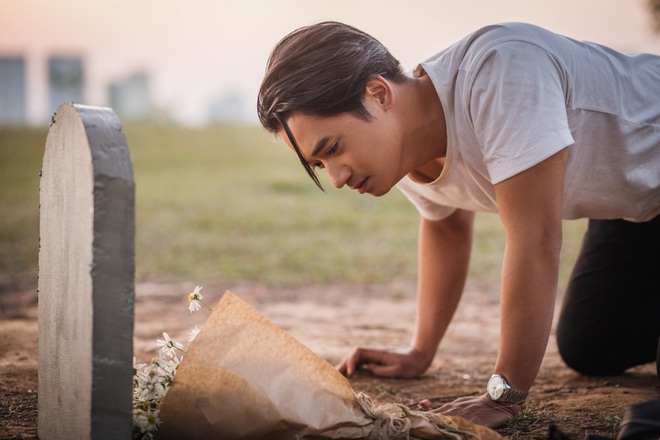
(321, 70)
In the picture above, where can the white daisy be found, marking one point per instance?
(192, 334)
(152, 388)
(169, 367)
(137, 367)
(195, 298)
(147, 421)
(168, 345)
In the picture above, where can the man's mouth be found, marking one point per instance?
(362, 186)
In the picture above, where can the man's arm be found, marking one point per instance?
(444, 254)
(530, 205)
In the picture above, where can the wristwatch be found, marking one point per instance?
(498, 390)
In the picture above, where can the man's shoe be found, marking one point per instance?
(641, 422)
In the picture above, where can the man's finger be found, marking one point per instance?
(351, 362)
(365, 357)
(382, 370)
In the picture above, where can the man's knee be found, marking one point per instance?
(589, 365)
(589, 355)
(605, 353)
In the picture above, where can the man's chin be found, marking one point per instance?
(379, 193)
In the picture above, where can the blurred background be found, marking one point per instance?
(201, 61)
(217, 197)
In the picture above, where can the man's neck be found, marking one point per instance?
(425, 127)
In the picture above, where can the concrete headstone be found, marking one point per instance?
(86, 278)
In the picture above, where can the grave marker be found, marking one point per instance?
(86, 277)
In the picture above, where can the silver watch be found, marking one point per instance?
(499, 390)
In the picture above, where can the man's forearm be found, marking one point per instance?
(444, 254)
(529, 288)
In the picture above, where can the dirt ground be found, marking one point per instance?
(330, 320)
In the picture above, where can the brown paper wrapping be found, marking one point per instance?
(245, 378)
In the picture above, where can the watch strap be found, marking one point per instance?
(513, 396)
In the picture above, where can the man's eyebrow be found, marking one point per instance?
(319, 146)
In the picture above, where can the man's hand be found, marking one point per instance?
(385, 362)
(481, 410)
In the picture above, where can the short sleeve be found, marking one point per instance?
(517, 105)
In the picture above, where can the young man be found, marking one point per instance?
(512, 119)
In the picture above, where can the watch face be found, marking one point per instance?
(495, 387)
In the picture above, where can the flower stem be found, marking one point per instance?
(207, 306)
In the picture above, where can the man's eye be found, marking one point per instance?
(332, 150)
(318, 165)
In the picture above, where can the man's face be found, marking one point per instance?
(363, 155)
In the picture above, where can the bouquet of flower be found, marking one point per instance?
(245, 378)
(151, 381)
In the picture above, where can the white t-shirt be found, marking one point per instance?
(515, 94)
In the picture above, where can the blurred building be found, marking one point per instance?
(228, 108)
(12, 90)
(66, 81)
(130, 98)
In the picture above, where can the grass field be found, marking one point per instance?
(231, 203)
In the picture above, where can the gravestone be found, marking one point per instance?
(86, 278)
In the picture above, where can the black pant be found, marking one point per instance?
(610, 319)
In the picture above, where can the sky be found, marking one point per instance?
(200, 50)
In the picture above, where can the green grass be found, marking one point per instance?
(233, 204)
(21, 151)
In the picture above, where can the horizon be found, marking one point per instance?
(208, 51)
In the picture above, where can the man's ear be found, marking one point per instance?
(379, 89)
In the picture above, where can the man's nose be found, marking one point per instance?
(339, 174)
